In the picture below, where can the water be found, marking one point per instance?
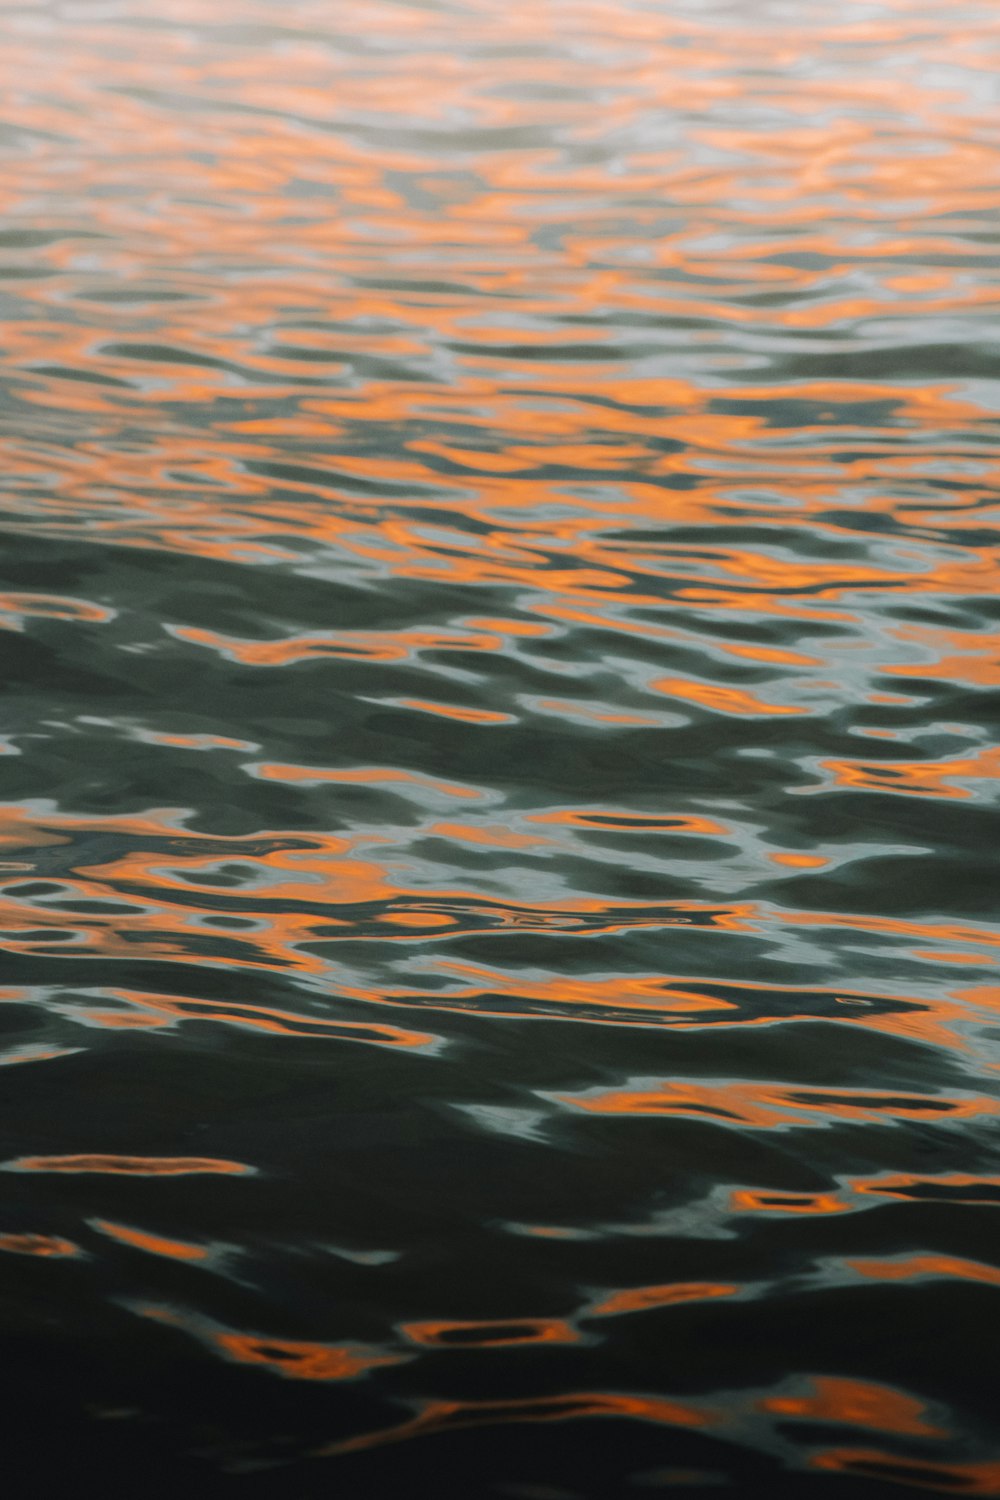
(499, 589)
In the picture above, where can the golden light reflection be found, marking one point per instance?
(131, 1166)
(920, 1267)
(290, 1359)
(857, 1403)
(45, 1245)
(829, 163)
(301, 1359)
(154, 1244)
(944, 1187)
(949, 1478)
(495, 1334)
(762, 1201)
(155, 1012)
(641, 1298)
(954, 777)
(447, 1416)
(770, 1107)
(662, 420)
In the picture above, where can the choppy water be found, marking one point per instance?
(500, 598)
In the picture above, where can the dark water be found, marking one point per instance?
(500, 661)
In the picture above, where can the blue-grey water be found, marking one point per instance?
(499, 583)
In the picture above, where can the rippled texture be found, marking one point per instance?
(498, 822)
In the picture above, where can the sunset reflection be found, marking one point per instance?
(497, 845)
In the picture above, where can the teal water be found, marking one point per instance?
(498, 819)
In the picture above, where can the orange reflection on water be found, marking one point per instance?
(351, 645)
(644, 994)
(952, 1478)
(164, 1011)
(291, 1359)
(856, 1402)
(489, 835)
(369, 775)
(132, 1166)
(14, 608)
(155, 1244)
(447, 1416)
(422, 920)
(547, 1231)
(959, 656)
(453, 711)
(195, 741)
(28, 1053)
(725, 700)
(773, 1107)
(301, 1359)
(930, 955)
(763, 1201)
(919, 778)
(356, 261)
(920, 1267)
(943, 1187)
(631, 999)
(494, 1334)
(38, 1244)
(642, 1298)
(619, 820)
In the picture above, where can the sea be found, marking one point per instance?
(499, 650)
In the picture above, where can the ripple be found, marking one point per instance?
(501, 559)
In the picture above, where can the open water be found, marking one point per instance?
(499, 567)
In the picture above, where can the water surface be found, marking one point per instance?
(498, 813)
